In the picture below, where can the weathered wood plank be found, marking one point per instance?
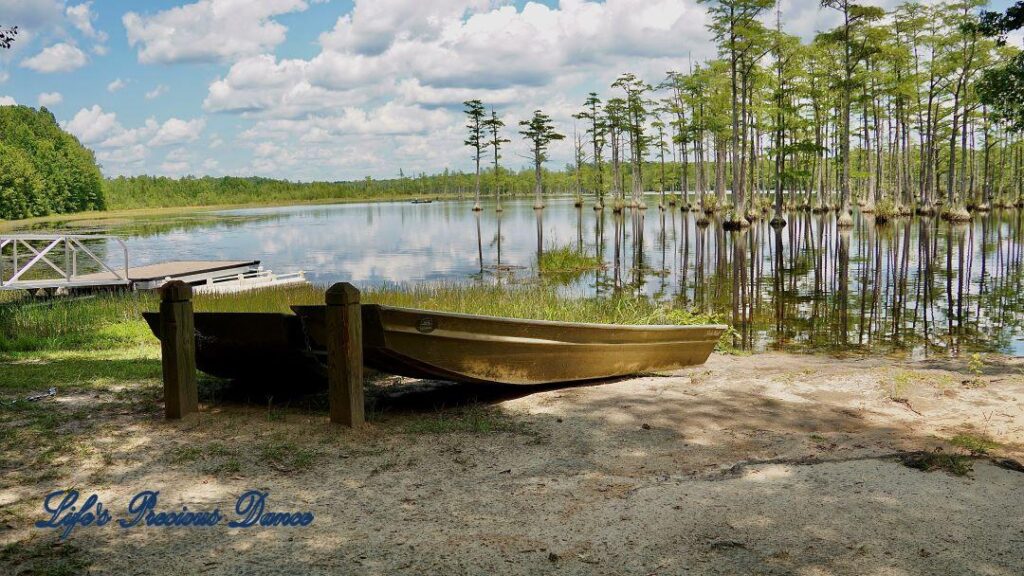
(345, 354)
(178, 350)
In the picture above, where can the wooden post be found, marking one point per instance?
(178, 350)
(345, 354)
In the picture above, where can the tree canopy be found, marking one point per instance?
(43, 169)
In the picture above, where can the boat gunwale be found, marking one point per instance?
(464, 336)
(553, 323)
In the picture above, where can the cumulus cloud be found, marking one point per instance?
(7, 101)
(81, 17)
(61, 57)
(50, 98)
(123, 149)
(93, 125)
(116, 85)
(208, 30)
(176, 131)
(441, 53)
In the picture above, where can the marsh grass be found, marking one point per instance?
(567, 260)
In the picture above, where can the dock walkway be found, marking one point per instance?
(50, 262)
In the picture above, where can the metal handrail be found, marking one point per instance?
(73, 244)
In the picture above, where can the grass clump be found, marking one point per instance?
(566, 263)
(286, 456)
(973, 443)
(955, 464)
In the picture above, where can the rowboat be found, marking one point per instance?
(486, 349)
(443, 346)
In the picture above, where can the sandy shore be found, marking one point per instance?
(771, 464)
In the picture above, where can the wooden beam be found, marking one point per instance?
(345, 354)
(178, 350)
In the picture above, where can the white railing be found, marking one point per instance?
(28, 252)
(252, 280)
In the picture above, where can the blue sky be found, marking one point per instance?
(333, 89)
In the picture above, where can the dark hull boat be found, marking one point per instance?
(251, 346)
(444, 346)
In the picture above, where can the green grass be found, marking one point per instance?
(974, 443)
(566, 260)
(533, 301)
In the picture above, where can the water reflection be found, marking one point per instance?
(919, 284)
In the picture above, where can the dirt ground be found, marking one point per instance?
(764, 464)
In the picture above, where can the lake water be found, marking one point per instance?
(917, 285)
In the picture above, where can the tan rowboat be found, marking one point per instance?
(469, 348)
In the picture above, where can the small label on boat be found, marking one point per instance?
(426, 325)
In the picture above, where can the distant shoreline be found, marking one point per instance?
(8, 225)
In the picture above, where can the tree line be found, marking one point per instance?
(901, 111)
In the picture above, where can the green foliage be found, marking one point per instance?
(43, 169)
(21, 188)
(540, 132)
(1002, 88)
(975, 364)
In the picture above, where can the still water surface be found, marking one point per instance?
(917, 285)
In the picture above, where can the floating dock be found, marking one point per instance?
(188, 271)
(50, 263)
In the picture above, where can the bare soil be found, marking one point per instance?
(764, 464)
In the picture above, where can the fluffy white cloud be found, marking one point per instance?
(373, 26)
(176, 131)
(62, 57)
(125, 150)
(157, 92)
(93, 125)
(50, 98)
(116, 85)
(7, 101)
(81, 17)
(441, 53)
(209, 30)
